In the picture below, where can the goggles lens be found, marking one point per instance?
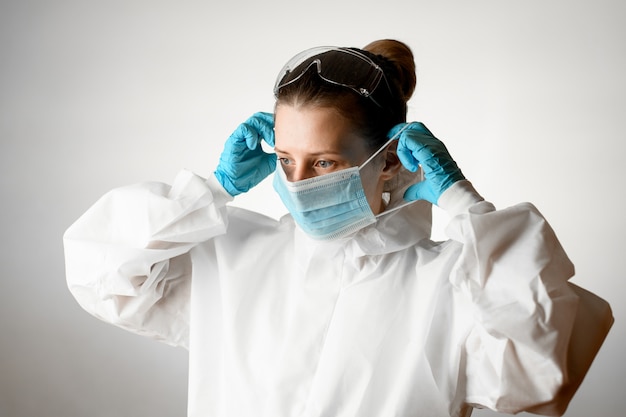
(340, 66)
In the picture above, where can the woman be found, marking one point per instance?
(345, 307)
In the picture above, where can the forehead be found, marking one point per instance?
(311, 129)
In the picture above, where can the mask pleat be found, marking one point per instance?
(326, 206)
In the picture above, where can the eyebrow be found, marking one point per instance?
(312, 153)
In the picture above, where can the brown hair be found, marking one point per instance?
(374, 117)
(400, 56)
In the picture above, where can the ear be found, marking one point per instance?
(392, 162)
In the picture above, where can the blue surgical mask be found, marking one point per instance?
(328, 206)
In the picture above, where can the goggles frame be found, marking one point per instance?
(357, 71)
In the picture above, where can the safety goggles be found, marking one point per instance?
(339, 66)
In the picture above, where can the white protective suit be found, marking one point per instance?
(385, 323)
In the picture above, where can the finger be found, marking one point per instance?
(406, 158)
(404, 154)
(270, 161)
(249, 135)
(264, 125)
(420, 191)
(237, 142)
(413, 192)
(395, 130)
(410, 142)
(420, 127)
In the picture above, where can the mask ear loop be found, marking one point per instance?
(394, 137)
(375, 154)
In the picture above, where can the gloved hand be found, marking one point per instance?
(417, 146)
(243, 163)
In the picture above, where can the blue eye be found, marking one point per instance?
(324, 164)
(284, 161)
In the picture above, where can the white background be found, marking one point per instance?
(528, 95)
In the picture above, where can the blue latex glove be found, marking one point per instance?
(243, 163)
(417, 146)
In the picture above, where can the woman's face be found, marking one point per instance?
(312, 141)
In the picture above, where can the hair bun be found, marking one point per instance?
(401, 57)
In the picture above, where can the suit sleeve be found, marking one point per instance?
(127, 258)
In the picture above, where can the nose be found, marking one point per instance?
(300, 172)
